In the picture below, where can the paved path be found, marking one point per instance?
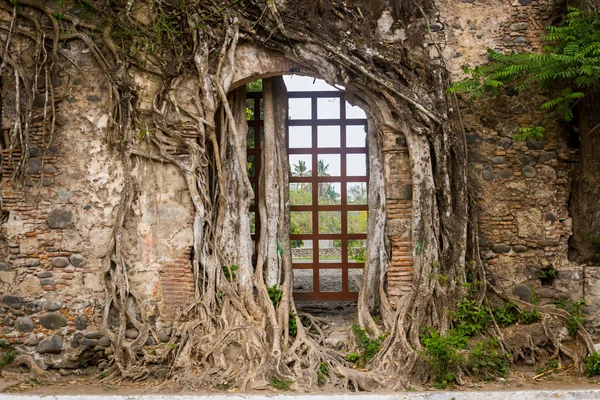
(504, 395)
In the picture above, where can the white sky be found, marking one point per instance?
(328, 136)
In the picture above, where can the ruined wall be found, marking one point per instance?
(522, 187)
(59, 221)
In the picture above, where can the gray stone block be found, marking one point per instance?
(53, 320)
(24, 324)
(60, 218)
(51, 345)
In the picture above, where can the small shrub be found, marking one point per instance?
(275, 294)
(368, 347)
(592, 365)
(574, 323)
(281, 384)
(547, 275)
(443, 279)
(529, 317)
(292, 324)
(487, 361)
(323, 373)
(470, 319)
(506, 315)
(7, 354)
(443, 354)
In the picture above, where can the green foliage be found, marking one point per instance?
(443, 279)
(570, 63)
(323, 373)
(547, 273)
(293, 325)
(223, 386)
(576, 318)
(7, 354)
(507, 315)
(469, 318)
(229, 271)
(368, 347)
(534, 132)
(550, 365)
(281, 384)
(443, 353)
(487, 361)
(275, 294)
(592, 365)
(529, 317)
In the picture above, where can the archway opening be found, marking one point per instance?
(326, 145)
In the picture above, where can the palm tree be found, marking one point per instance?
(322, 168)
(300, 169)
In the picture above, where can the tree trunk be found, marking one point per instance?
(585, 195)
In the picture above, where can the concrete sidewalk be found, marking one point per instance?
(504, 395)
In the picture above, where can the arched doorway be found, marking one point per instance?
(326, 144)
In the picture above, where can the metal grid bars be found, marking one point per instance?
(328, 185)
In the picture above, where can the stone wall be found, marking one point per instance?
(60, 219)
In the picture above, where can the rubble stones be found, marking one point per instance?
(523, 292)
(60, 262)
(60, 218)
(34, 166)
(488, 173)
(535, 144)
(32, 262)
(519, 26)
(24, 324)
(14, 302)
(33, 307)
(53, 320)
(53, 305)
(131, 333)
(80, 323)
(52, 345)
(77, 260)
(163, 336)
(529, 172)
(500, 248)
(104, 342)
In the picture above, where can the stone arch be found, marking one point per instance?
(253, 63)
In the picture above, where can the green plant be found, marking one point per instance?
(547, 275)
(592, 365)
(275, 294)
(487, 361)
(7, 354)
(534, 132)
(229, 272)
(293, 325)
(368, 347)
(102, 375)
(223, 386)
(529, 317)
(281, 384)
(323, 373)
(469, 318)
(172, 346)
(443, 279)
(443, 354)
(571, 62)
(507, 315)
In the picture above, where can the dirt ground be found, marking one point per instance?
(86, 381)
(338, 316)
